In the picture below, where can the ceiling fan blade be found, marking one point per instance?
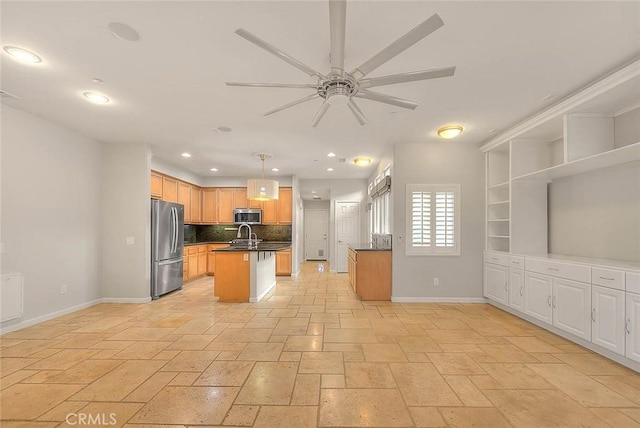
(277, 52)
(407, 77)
(387, 99)
(323, 109)
(273, 85)
(357, 112)
(412, 37)
(292, 103)
(337, 24)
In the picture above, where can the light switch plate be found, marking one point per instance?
(130, 240)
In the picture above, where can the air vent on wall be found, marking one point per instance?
(5, 94)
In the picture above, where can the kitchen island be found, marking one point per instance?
(244, 274)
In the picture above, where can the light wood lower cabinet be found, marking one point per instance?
(283, 262)
(195, 262)
(211, 257)
(370, 274)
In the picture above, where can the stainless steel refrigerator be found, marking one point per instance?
(167, 239)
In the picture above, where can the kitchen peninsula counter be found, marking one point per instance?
(246, 275)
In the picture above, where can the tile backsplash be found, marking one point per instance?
(195, 233)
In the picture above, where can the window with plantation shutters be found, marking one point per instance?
(433, 218)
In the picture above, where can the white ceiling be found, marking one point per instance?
(168, 88)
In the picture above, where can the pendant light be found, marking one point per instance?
(262, 189)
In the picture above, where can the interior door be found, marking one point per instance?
(316, 229)
(347, 231)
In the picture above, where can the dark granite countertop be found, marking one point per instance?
(364, 246)
(189, 244)
(263, 246)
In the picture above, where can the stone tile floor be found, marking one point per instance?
(310, 354)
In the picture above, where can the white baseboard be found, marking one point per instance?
(438, 299)
(66, 311)
(264, 293)
(125, 300)
(50, 316)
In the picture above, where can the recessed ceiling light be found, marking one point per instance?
(362, 161)
(275, 169)
(97, 81)
(96, 97)
(214, 169)
(123, 31)
(331, 155)
(22, 54)
(314, 192)
(224, 129)
(186, 155)
(450, 131)
(329, 169)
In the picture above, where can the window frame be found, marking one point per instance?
(432, 250)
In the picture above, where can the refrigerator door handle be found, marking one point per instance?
(169, 262)
(174, 230)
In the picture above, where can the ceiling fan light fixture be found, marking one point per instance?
(450, 131)
(262, 189)
(362, 162)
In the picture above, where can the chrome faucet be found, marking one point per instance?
(255, 240)
(248, 233)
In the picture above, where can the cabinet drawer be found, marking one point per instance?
(633, 282)
(192, 249)
(516, 262)
(496, 258)
(608, 278)
(202, 248)
(563, 270)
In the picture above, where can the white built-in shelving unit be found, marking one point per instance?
(594, 302)
(582, 133)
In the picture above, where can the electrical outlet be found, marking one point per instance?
(245, 257)
(63, 289)
(436, 281)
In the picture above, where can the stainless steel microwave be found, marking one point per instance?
(247, 215)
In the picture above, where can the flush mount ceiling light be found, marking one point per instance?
(214, 169)
(329, 169)
(331, 155)
(22, 55)
(362, 161)
(450, 131)
(186, 155)
(96, 97)
(262, 189)
(123, 31)
(275, 169)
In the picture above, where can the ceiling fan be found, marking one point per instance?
(341, 87)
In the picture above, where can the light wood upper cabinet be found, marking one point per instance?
(240, 198)
(210, 205)
(196, 204)
(280, 211)
(285, 206)
(156, 185)
(184, 198)
(226, 204)
(270, 212)
(169, 189)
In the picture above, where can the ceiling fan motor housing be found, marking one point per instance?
(338, 89)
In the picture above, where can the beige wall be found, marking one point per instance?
(460, 277)
(597, 214)
(51, 213)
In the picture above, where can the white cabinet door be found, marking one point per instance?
(607, 316)
(516, 289)
(495, 282)
(633, 326)
(537, 296)
(572, 307)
